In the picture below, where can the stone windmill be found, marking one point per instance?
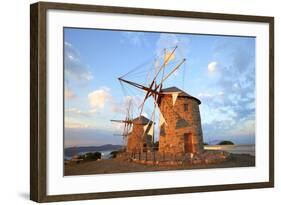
(137, 135)
(140, 138)
(180, 131)
(128, 124)
(179, 115)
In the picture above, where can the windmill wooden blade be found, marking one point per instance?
(164, 63)
(166, 77)
(149, 89)
(124, 130)
(128, 122)
(156, 90)
(120, 134)
(146, 96)
(169, 74)
(122, 121)
(142, 87)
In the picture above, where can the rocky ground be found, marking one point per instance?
(124, 166)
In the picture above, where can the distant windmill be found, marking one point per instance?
(128, 123)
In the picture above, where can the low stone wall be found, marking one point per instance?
(211, 157)
(158, 159)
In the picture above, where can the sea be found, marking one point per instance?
(234, 149)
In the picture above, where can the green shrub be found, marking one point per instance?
(90, 156)
(225, 142)
(113, 154)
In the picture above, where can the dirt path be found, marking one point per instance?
(121, 166)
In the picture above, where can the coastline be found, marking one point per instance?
(234, 149)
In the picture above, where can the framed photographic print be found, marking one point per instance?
(134, 102)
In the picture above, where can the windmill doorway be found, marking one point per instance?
(188, 143)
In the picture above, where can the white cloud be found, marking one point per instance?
(166, 40)
(77, 112)
(135, 38)
(212, 67)
(205, 95)
(235, 86)
(68, 94)
(99, 98)
(176, 73)
(219, 114)
(71, 124)
(67, 44)
(122, 107)
(145, 114)
(74, 67)
(92, 111)
(165, 45)
(87, 76)
(244, 128)
(208, 96)
(172, 40)
(73, 110)
(118, 127)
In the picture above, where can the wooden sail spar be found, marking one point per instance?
(128, 122)
(149, 89)
(153, 89)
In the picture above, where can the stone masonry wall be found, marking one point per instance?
(179, 122)
(136, 140)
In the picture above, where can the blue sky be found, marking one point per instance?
(220, 71)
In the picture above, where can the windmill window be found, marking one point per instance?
(162, 130)
(185, 107)
(181, 123)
